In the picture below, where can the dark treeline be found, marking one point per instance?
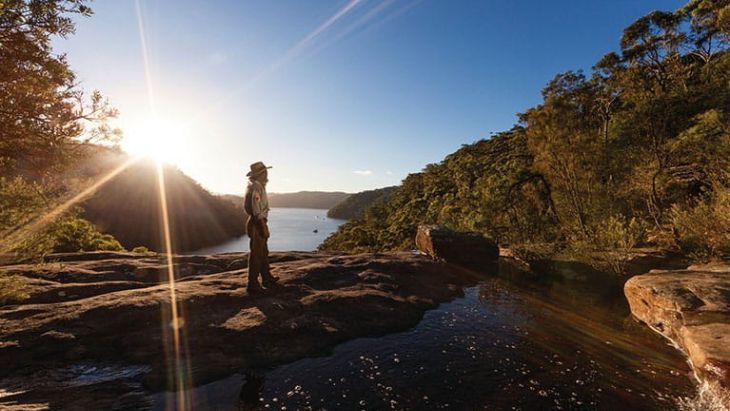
(638, 151)
(128, 206)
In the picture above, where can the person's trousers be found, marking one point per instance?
(258, 257)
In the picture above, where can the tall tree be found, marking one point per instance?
(43, 111)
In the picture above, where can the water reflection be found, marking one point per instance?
(251, 391)
(555, 342)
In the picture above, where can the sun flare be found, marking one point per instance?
(160, 140)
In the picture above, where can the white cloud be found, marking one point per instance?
(363, 172)
(390, 173)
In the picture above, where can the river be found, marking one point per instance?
(292, 229)
(564, 340)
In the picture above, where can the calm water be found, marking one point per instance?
(563, 342)
(292, 229)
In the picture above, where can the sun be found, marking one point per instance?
(161, 140)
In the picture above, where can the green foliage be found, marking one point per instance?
(140, 249)
(486, 186)
(23, 203)
(45, 119)
(640, 146)
(704, 227)
(607, 245)
(43, 111)
(73, 234)
(20, 201)
(67, 234)
(354, 206)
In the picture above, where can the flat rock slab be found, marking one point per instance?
(691, 307)
(116, 307)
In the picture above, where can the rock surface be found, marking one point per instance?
(467, 249)
(115, 308)
(691, 307)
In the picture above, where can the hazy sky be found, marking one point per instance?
(336, 95)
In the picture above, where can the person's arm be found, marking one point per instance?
(256, 203)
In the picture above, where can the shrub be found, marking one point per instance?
(140, 249)
(704, 229)
(534, 251)
(74, 234)
(22, 203)
(607, 244)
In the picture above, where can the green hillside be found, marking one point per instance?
(354, 206)
(636, 151)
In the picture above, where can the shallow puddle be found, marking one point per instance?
(565, 342)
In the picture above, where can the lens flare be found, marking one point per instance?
(157, 139)
(14, 236)
(171, 321)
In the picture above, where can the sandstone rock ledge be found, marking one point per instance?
(691, 307)
(112, 307)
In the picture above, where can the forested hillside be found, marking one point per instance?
(355, 205)
(128, 206)
(636, 151)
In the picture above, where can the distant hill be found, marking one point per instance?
(128, 206)
(302, 199)
(306, 199)
(354, 206)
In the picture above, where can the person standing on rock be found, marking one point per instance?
(256, 205)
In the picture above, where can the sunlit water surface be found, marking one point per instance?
(567, 343)
(292, 229)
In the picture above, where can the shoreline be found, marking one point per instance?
(690, 308)
(107, 308)
(104, 309)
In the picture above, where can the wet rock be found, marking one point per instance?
(691, 307)
(467, 249)
(80, 310)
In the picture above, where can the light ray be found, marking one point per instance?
(286, 57)
(178, 371)
(319, 30)
(9, 239)
(398, 12)
(370, 15)
(145, 59)
(176, 322)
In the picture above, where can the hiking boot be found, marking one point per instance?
(254, 288)
(270, 281)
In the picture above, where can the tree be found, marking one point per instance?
(710, 21)
(45, 121)
(638, 150)
(44, 113)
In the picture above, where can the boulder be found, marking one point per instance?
(467, 249)
(691, 307)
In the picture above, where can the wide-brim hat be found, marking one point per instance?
(257, 168)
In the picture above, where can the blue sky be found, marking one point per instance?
(337, 95)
